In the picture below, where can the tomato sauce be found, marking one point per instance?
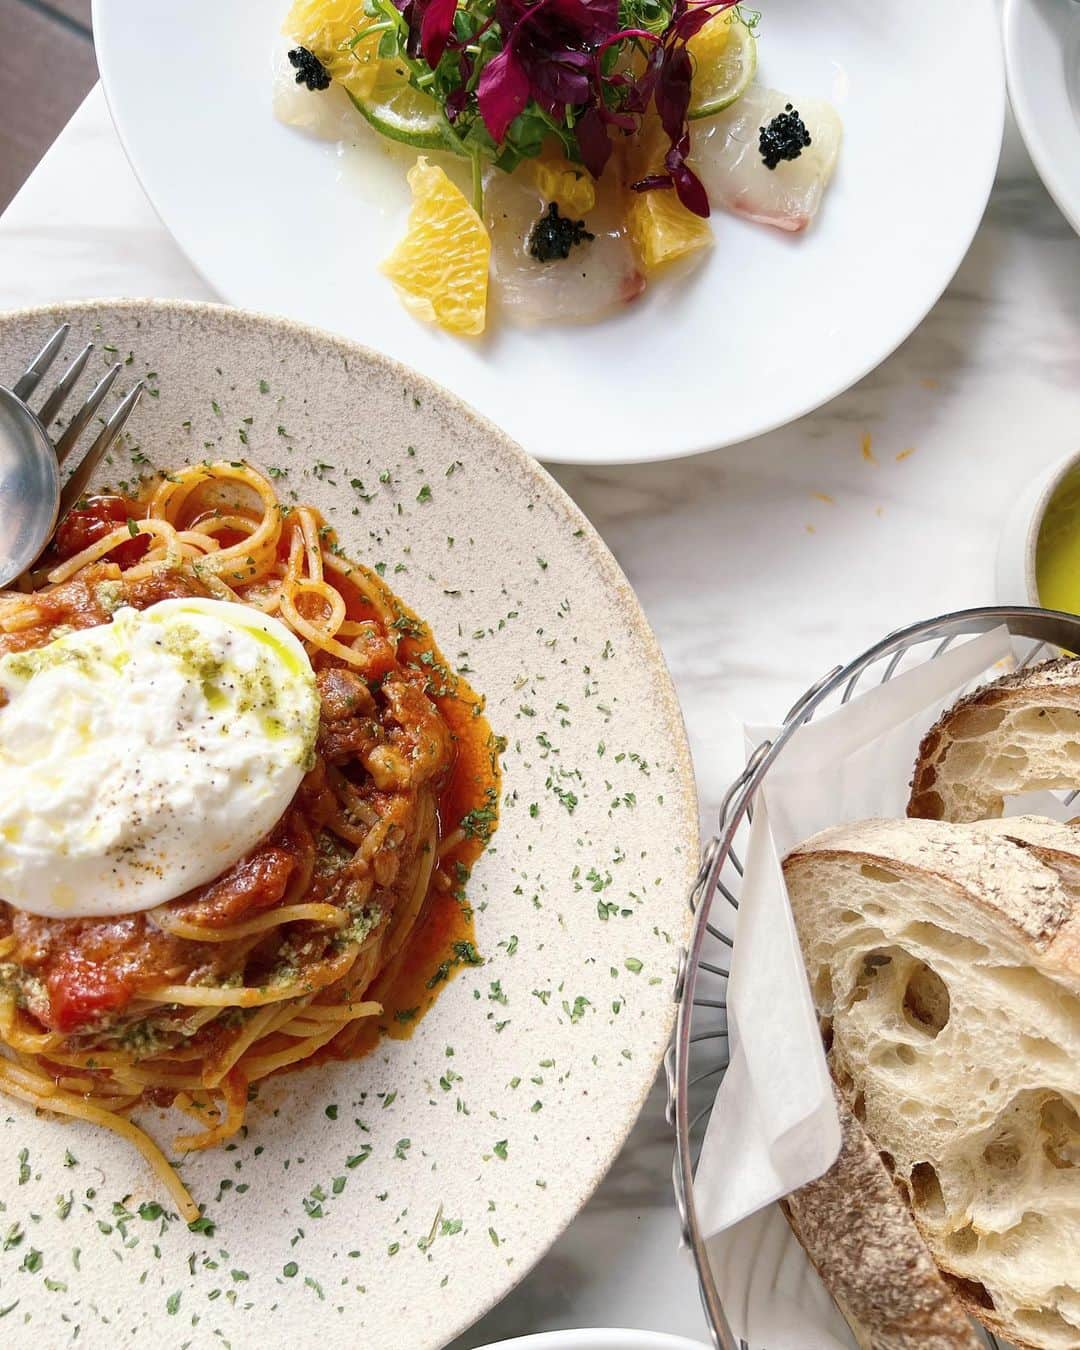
(442, 941)
(90, 521)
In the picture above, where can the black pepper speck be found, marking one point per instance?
(785, 137)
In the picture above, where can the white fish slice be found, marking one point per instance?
(599, 276)
(726, 156)
(325, 113)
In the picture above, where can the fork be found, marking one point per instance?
(32, 488)
(29, 381)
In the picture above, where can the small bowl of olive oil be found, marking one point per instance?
(1038, 559)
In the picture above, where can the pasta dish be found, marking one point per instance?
(239, 778)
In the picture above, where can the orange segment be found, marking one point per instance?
(440, 268)
(568, 184)
(662, 228)
(329, 29)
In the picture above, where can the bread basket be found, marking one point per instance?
(698, 1055)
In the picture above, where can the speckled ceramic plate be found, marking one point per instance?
(483, 1135)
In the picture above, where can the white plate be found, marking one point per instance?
(1042, 57)
(554, 1041)
(769, 328)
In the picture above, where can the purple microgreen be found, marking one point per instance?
(502, 92)
(436, 25)
(509, 73)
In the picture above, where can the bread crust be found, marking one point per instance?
(982, 867)
(1019, 881)
(1057, 846)
(981, 1313)
(1054, 683)
(858, 1231)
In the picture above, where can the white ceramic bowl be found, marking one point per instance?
(1042, 62)
(1016, 583)
(769, 325)
(598, 1338)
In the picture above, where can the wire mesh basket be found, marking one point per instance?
(698, 1055)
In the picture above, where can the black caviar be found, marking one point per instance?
(309, 69)
(553, 236)
(785, 137)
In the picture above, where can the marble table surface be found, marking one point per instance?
(759, 567)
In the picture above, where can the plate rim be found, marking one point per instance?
(982, 11)
(597, 1338)
(666, 698)
(1068, 203)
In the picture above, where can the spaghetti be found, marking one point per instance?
(291, 952)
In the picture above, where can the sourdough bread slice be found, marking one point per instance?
(857, 1229)
(1056, 845)
(944, 963)
(1019, 734)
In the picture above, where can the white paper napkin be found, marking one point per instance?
(774, 1117)
(773, 1126)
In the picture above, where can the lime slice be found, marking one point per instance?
(725, 59)
(395, 109)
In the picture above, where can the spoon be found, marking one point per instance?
(31, 500)
(29, 487)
